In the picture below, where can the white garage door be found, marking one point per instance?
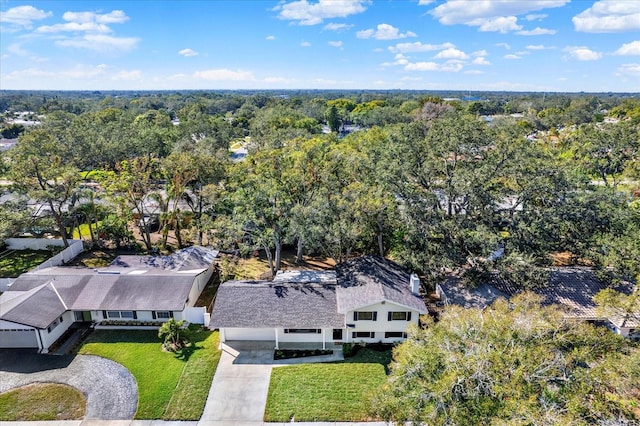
(18, 339)
(249, 334)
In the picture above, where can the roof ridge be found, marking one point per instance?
(55, 290)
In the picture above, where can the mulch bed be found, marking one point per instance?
(299, 353)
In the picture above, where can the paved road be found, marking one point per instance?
(110, 389)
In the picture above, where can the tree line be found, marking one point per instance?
(427, 181)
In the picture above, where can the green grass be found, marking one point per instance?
(84, 230)
(170, 387)
(21, 261)
(42, 401)
(326, 392)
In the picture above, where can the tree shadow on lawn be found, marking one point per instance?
(375, 354)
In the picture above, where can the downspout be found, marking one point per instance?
(276, 333)
(324, 344)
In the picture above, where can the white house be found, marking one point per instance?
(368, 299)
(41, 305)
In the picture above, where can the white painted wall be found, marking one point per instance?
(199, 283)
(49, 338)
(195, 315)
(382, 324)
(305, 337)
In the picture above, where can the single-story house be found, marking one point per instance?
(41, 305)
(368, 299)
(572, 288)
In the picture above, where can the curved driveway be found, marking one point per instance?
(110, 389)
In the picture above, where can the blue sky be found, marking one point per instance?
(513, 45)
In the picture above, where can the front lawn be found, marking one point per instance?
(42, 401)
(326, 391)
(170, 386)
(20, 261)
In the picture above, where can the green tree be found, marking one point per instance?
(171, 332)
(39, 169)
(515, 362)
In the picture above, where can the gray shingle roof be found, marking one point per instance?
(276, 304)
(38, 307)
(570, 287)
(186, 259)
(85, 289)
(368, 280)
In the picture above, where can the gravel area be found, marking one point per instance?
(110, 389)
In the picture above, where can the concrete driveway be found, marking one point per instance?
(239, 389)
(110, 389)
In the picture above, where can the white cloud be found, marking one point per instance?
(113, 17)
(384, 32)
(536, 47)
(23, 16)
(305, 13)
(92, 27)
(419, 47)
(481, 61)
(434, 66)
(609, 16)
(84, 72)
(536, 32)
(535, 16)
(224, 74)
(86, 22)
(480, 53)
(451, 53)
(490, 15)
(333, 26)
(512, 56)
(270, 37)
(127, 75)
(503, 24)
(505, 45)
(425, 2)
(632, 70)
(188, 52)
(100, 42)
(335, 43)
(629, 49)
(305, 44)
(582, 53)
(17, 49)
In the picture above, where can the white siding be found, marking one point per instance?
(49, 338)
(305, 337)
(381, 325)
(199, 282)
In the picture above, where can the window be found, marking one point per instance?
(52, 326)
(365, 316)
(120, 314)
(303, 330)
(399, 316)
(395, 334)
(363, 334)
(162, 314)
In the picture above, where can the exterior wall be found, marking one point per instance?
(199, 283)
(306, 337)
(75, 247)
(381, 325)
(49, 338)
(97, 316)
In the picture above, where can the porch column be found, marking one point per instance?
(276, 333)
(324, 343)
